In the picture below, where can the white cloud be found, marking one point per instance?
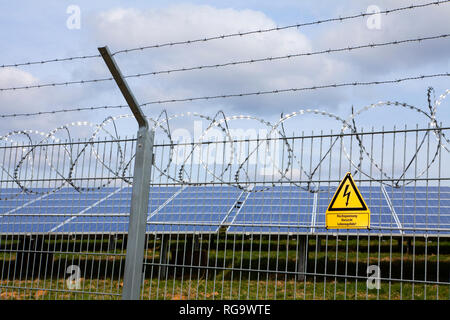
(10, 100)
(11, 77)
(125, 28)
(402, 25)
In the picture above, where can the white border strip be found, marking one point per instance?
(314, 213)
(394, 214)
(239, 210)
(166, 202)
(25, 205)
(86, 209)
(231, 208)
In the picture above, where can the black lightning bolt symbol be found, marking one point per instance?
(346, 194)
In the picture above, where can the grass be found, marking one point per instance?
(202, 289)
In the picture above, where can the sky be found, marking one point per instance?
(34, 31)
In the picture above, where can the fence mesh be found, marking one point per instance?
(229, 218)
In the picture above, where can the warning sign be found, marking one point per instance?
(347, 209)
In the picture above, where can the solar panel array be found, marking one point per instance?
(208, 209)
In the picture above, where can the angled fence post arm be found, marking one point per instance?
(141, 187)
(123, 86)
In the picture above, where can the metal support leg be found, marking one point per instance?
(409, 246)
(164, 256)
(112, 241)
(301, 258)
(196, 243)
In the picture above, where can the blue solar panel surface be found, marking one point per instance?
(277, 210)
(421, 208)
(206, 209)
(195, 209)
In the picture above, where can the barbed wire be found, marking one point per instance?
(235, 95)
(224, 36)
(298, 25)
(50, 61)
(21, 172)
(232, 63)
(277, 91)
(289, 56)
(55, 84)
(31, 114)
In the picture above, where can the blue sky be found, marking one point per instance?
(32, 30)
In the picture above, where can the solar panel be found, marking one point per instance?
(196, 209)
(277, 210)
(41, 213)
(206, 209)
(422, 209)
(110, 214)
(68, 211)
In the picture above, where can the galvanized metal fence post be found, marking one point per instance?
(141, 187)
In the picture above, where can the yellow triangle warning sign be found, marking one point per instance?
(347, 209)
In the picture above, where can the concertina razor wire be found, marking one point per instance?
(221, 122)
